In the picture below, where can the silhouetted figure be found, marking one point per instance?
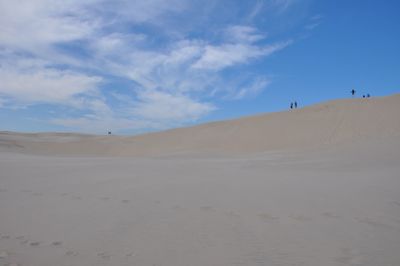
(353, 92)
(295, 105)
(363, 96)
(291, 105)
(368, 96)
(109, 132)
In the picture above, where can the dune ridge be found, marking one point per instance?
(314, 186)
(326, 124)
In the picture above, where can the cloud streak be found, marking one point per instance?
(69, 53)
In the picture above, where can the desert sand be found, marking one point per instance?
(314, 186)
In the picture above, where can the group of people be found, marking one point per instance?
(353, 92)
(293, 105)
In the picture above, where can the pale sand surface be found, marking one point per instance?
(316, 127)
(335, 203)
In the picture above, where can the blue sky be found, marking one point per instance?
(137, 66)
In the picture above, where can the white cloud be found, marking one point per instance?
(31, 81)
(243, 34)
(257, 85)
(314, 22)
(226, 55)
(47, 48)
(156, 105)
(256, 9)
(34, 25)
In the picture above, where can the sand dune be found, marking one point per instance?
(337, 122)
(315, 186)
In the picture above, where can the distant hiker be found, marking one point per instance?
(368, 96)
(353, 92)
(363, 96)
(109, 132)
(291, 105)
(295, 105)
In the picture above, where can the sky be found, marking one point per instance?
(133, 66)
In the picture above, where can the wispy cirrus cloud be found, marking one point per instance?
(314, 22)
(70, 52)
(230, 54)
(31, 82)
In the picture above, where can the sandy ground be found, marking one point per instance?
(316, 127)
(325, 208)
(246, 192)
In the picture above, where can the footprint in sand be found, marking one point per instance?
(177, 208)
(12, 264)
(371, 222)
(330, 215)
(232, 214)
(207, 208)
(104, 255)
(266, 217)
(34, 244)
(125, 201)
(5, 237)
(71, 253)
(349, 257)
(105, 198)
(300, 218)
(76, 197)
(56, 243)
(24, 241)
(131, 254)
(37, 194)
(20, 238)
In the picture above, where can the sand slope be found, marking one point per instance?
(286, 197)
(331, 123)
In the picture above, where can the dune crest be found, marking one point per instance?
(331, 123)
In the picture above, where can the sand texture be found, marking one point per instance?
(315, 186)
(329, 124)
